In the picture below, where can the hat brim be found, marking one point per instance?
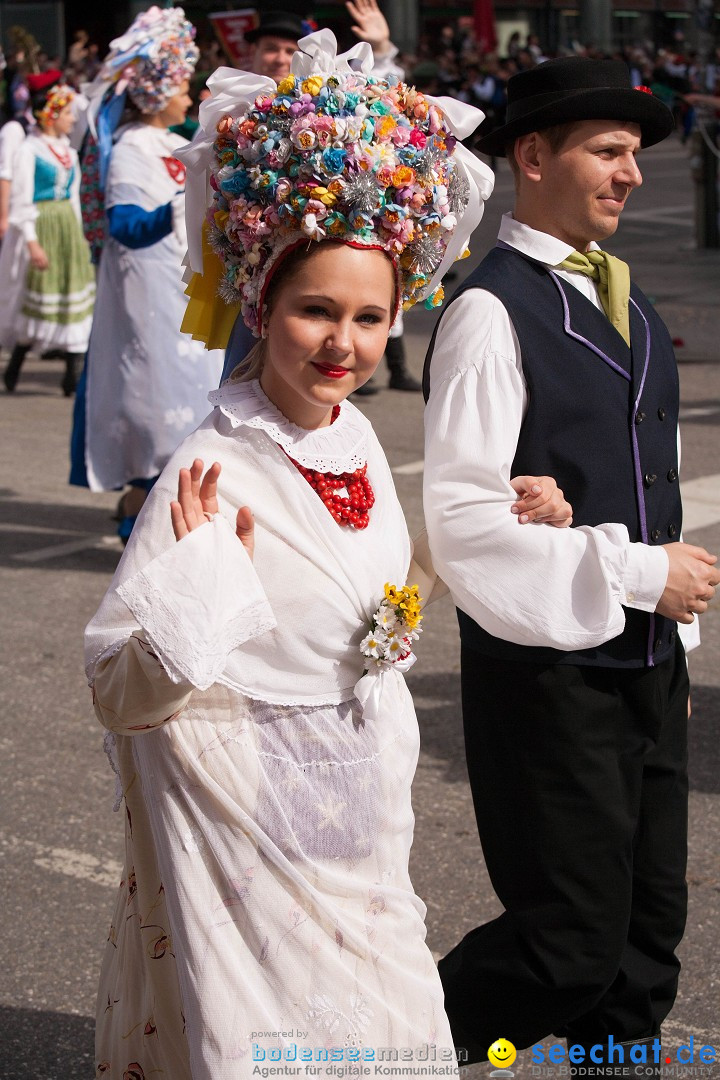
(286, 31)
(631, 106)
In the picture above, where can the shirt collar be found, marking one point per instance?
(536, 245)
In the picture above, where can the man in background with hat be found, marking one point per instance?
(575, 702)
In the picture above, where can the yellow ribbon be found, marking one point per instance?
(612, 277)
(207, 317)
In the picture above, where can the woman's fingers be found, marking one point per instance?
(245, 529)
(208, 489)
(185, 498)
(178, 520)
(541, 500)
(195, 478)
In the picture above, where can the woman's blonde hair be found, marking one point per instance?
(251, 366)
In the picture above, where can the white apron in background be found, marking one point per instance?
(147, 383)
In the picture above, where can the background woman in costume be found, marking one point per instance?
(266, 779)
(147, 383)
(48, 279)
(12, 136)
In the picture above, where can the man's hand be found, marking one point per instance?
(370, 24)
(691, 582)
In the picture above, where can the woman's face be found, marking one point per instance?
(327, 330)
(177, 107)
(65, 121)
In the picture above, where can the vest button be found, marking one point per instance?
(672, 530)
(672, 475)
(657, 644)
(650, 479)
(673, 635)
(661, 413)
(655, 535)
(639, 417)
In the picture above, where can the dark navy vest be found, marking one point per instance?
(602, 419)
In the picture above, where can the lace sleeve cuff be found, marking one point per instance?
(198, 601)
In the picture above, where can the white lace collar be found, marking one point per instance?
(341, 447)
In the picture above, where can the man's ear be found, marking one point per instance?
(528, 156)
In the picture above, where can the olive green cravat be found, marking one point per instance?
(612, 277)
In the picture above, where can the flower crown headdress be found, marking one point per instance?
(335, 153)
(57, 99)
(155, 55)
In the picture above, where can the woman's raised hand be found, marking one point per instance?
(197, 502)
(540, 500)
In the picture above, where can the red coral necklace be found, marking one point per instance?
(352, 509)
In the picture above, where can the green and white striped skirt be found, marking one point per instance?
(58, 304)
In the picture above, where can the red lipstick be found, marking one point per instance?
(330, 370)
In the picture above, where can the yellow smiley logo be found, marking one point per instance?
(502, 1053)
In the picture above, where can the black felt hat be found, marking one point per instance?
(282, 24)
(574, 88)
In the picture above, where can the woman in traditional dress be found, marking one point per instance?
(147, 383)
(266, 912)
(48, 279)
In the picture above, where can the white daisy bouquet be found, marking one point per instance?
(395, 625)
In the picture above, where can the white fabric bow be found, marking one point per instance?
(369, 689)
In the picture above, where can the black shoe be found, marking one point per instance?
(69, 379)
(366, 390)
(401, 379)
(12, 371)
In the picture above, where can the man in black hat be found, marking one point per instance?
(274, 42)
(575, 701)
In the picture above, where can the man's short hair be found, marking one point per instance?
(556, 136)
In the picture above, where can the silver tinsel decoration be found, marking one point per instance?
(458, 192)
(228, 292)
(361, 193)
(426, 254)
(425, 163)
(280, 122)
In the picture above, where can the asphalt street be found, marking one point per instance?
(60, 843)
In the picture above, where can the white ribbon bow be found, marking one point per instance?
(369, 689)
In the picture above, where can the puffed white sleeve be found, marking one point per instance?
(75, 188)
(529, 584)
(24, 210)
(197, 602)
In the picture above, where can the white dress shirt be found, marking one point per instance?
(538, 586)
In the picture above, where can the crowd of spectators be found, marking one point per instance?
(448, 60)
(453, 63)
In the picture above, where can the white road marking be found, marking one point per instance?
(692, 413)
(70, 547)
(410, 468)
(77, 864)
(701, 502)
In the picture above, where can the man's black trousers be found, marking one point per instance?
(579, 779)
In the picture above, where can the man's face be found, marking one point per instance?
(584, 185)
(273, 55)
